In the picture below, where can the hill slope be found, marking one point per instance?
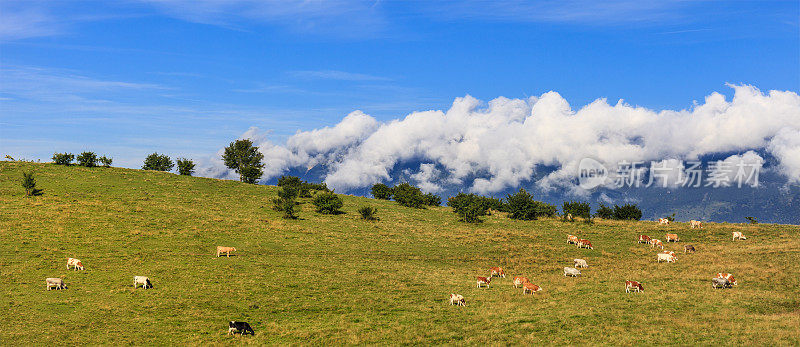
(338, 279)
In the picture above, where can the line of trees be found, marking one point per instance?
(520, 205)
(162, 162)
(86, 159)
(405, 194)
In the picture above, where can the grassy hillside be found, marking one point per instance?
(337, 279)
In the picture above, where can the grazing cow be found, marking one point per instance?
(672, 237)
(143, 280)
(728, 277)
(671, 253)
(56, 283)
(663, 221)
(227, 250)
(656, 243)
(665, 257)
(580, 263)
(717, 282)
(571, 272)
(739, 235)
(484, 280)
(241, 327)
(696, 224)
(644, 239)
(633, 285)
(585, 244)
(530, 287)
(572, 239)
(518, 281)
(688, 249)
(74, 262)
(458, 300)
(497, 271)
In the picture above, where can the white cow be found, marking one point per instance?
(696, 224)
(669, 258)
(663, 221)
(56, 283)
(580, 263)
(143, 280)
(739, 235)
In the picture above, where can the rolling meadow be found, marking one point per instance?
(337, 279)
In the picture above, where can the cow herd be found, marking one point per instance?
(144, 281)
(723, 280)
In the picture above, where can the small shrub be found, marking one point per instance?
(158, 162)
(381, 191)
(629, 212)
(671, 218)
(295, 183)
(185, 166)
(29, 183)
(105, 161)
(368, 213)
(521, 205)
(63, 158)
(289, 211)
(408, 195)
(87, 159)
(751, 220)
(432, 199)
(604, 212)
(286, 201)
(469, 207)
(328, 203)
(576, 209)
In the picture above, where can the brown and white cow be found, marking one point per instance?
(497, 271)
(739, 235)
(582, 243)
(696, 224)
(656, 243)
(644, 239)
(483, 280)
(530, 287)
(663, 221)
(227, 250)
(572, 239)
(518, 281)
(728, 277)
(633, 285)
(672, 237)
(456, 299)
(665, 257)
(669, 252)
(74, 262)
(688, 249)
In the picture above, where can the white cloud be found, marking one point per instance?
(503, 143)
(737, 169)
(786, 147)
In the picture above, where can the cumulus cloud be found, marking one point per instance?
(737, 170)
(490, 147)
(786, 147)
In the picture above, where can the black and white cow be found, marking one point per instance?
(241, 327)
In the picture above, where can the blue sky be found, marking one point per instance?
(127, 78)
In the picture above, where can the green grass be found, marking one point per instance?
(338, 279)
